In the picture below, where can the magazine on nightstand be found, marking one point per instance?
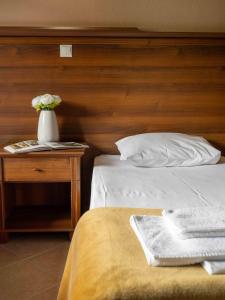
(32, 145)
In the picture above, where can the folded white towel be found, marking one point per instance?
(162, 248)
(196, 222)
(214, 267)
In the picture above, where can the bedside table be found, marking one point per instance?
(39, 191)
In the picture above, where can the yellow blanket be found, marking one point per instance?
(106, 262)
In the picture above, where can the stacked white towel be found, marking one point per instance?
(164, 248)
(196, 222)
(214, 267)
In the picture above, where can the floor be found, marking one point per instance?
(31, 266)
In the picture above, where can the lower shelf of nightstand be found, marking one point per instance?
(39, 218)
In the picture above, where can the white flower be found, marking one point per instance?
(57, 99)
(46, 102)
(47, 99)
(36, 101)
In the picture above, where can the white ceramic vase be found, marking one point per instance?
(48, 130)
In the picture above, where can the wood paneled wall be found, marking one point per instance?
(118, 83)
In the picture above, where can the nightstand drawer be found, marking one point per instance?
(36, 169)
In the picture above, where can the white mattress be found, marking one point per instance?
(116, 183)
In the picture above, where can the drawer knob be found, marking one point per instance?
(37, 170)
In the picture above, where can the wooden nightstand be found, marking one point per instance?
(39, 191)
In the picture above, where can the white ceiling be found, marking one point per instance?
(152, 15)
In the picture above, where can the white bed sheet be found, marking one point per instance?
(116, 183)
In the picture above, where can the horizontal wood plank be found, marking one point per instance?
(114, 75)
(25, 31)
(111, 55)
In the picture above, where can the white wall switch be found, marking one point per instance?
(65, 50)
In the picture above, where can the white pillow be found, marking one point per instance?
(167, 150)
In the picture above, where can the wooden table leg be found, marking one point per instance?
(4, 237)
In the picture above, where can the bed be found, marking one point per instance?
(106, 262)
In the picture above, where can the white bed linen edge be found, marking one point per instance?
(116, 183)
